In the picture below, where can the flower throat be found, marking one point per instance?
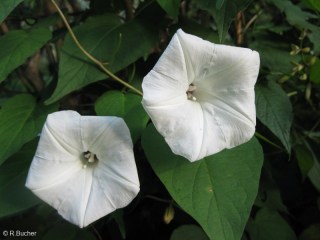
(90, 159)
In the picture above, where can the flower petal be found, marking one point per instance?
(223, 115)
(59, 150)
(83, 195)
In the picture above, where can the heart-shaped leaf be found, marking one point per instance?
(218, 191)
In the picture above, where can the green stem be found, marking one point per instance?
(258, 135)
(93, 59)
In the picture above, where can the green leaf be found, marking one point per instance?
(67, 231)
(305, 159)
(314, 174)
(14, 196)
(311, 233)
(315, 4)
(315, 72)
(188, 232)
(6, 6)
(217, 191)
(170, 6)
(297, 17)
(17, 46)
(274, 110)
(269, 194)
(219, 4)
(193, 27)
(224, 15)
(21, 119)
(294, 14)
(269, 224)
(128, 106)
(108, 40)
(118, 216)
(274, 55)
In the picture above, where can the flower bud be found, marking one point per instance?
(308, 92)
(297, 68)
(313, 60)
(168, 214)
(295, 49)
(284, 78)
(303, 77)
(306, 49)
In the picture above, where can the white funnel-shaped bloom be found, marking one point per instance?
(200, 95)
(84, 166)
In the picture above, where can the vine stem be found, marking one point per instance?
(87, 54)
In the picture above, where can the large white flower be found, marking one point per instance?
(84, 166)
(200, 95)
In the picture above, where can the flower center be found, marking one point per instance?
(192, 88)
(90, 159)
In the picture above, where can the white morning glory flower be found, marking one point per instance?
(200, 95)
(84, 166)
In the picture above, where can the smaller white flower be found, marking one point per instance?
(84, 166)
(200, 95)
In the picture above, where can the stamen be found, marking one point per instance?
(192, 88)
(90, 158)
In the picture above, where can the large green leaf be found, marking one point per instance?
(14, 196)
(108, 40)
(170, 6)
(188, 232)
(128, 106)
(6, 6)
(269, 224)
(274, 110)
(21, 119)
(218, 191)
(223, 12)
(17, 46)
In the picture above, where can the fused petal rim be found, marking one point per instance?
(57, 174)
(221, 113)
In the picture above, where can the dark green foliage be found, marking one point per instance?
(267, 188)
